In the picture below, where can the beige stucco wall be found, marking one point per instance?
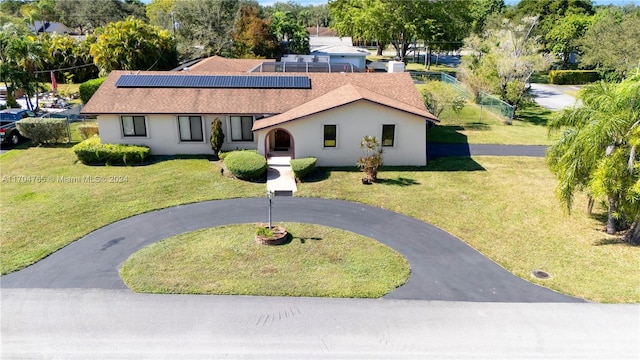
(354, 121)
(163, 135)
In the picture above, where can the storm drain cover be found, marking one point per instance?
(540, 274)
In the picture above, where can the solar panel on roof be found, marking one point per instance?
(214, 81)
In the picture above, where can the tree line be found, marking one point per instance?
(129, 35)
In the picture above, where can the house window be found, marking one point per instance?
(388, 135)
(241, 128)
(330, 135)
(190, 128)
(134, 126)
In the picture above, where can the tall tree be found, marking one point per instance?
(482, 10)
(549, 13)
(20, 58)
(288, 31)
(598, 151)
(400, 23)
(511, 54)
(87, 15)
(363, 20)
(612, 43)
(205, 27)
(65, 52)
(133, 45)
(159, 13)
(564, 37)
(251, 36)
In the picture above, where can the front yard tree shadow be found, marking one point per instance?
(534, 114)
(462, 163)
(399, 181)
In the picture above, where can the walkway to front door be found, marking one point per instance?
(280, 178)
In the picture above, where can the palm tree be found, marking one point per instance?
(597, 150)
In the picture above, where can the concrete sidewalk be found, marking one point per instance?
(280, 178)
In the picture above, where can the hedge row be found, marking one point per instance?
(92, 152)
(87, 131)
(43, 130)
(88, 88)
(246, 165)
(303, 167)
(572, 77)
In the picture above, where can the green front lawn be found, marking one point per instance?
(505, 208)
(478, 126)
(502, 206)
(49, 199)
(318, 261)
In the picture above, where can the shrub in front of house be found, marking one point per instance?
(92, 152)
(88, 88)
(87, 131)
(246, 165)
(303, 167)
(43, 130)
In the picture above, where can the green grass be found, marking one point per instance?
(539, 78)
(319, 261)
(421, 68)
(478, 126)
(39, 218)
(75, 136)
(504, 207)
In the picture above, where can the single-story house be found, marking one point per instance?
(324, 115)
(49, 27)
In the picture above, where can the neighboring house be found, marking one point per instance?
(49, 27)
(343, 54)
(320, 41)
(324, 115)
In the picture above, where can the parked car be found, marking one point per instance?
(9, 134)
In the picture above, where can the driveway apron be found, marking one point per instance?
(442, 266)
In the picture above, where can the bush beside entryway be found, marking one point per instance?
(246, 165)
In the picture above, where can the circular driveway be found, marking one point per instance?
(442, 266)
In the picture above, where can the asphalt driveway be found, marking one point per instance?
(442, 266)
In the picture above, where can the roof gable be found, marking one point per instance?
(344, 95)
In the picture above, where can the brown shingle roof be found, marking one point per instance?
(223, 65)
(391, 89)
(341, 96)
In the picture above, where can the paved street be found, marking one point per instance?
(551, 96)
(116, 324)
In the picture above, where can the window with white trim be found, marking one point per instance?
(330, 135)
(190, 128)
(241, 128)
(133, 126)
(388, 135)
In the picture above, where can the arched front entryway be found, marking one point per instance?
(279, 142)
